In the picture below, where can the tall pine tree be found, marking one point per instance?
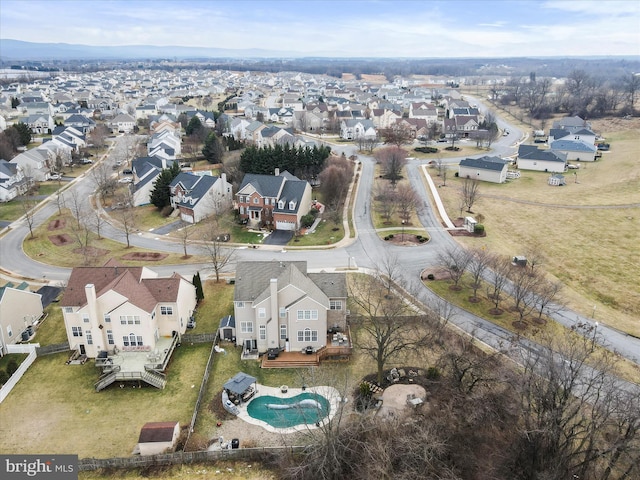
(160, 195)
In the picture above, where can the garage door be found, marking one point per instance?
(285, 226)
(186, 217)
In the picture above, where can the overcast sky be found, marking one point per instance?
(342, 28)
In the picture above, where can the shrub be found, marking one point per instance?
(307, 220)
(478, 229)
(422, 239)
(12, 366)
(390, 236)
(426, 149)
(433, 373)
(431, 276)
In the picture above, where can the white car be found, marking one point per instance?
(55, 176)
(125, 180)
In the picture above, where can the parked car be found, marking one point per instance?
(55, 176)
(573, 167)
(125, 180)
(127, 171)
(86, 161)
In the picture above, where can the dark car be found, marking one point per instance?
(127, 171)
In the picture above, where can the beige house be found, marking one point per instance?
(127, 318)
(279, 305)
(20, 310)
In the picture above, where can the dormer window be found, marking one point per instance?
(292, 205)
(281, 204)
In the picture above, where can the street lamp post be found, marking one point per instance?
(403, 230)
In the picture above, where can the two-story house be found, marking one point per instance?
(278, 201)
(128, 318)
(12, 181)
(20, 309)
(279, 305)
(199, 196)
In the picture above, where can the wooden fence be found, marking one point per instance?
(199, 337)
(182, 458)
(203, 387)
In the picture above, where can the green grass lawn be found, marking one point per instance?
(326, 233)
(51, 330)
(55, 408)
(11, 211)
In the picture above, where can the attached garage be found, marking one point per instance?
(283, 225)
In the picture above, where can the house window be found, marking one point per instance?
(281, 204)
(89, 337)
(292, 205)
(246, 327)
(262, 312)
(256, 200)
(307, 335)
(335, 304)
(110, 337)
(307, 314)
(239, 304)
(283, 332)
(241, 210)
(85, 318)
(129, 319)
(76, 331)
(166, 310)
(9, 331)
(283, 312)
(263, 332)
(68, 309)
(107, 318)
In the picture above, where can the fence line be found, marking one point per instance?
(180, 458)
(17, 375)
(51, 349)
(203, 386)
(199, 337)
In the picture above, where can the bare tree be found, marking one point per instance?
(82, 234)
(455, 261)
(98, 136)
(523, 287)
(184, 233)
(97, 221)
(499, 279)
(219, 255)
(407, 201)
(631, 86)
(388, 325)
(478, 265)
(397, 134)
(392, 160)
(469, 192)
(385, 197)
(335, 179)
(76, 206)
(442, 170)
(60, 202)
(102, 178)
(126, 215)
(28, 209)
(547, 293)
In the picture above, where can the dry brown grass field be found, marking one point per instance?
(588, 230)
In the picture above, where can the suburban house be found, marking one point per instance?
(278, 201)
(530, 157)
(353, 129)
(487, 169)
(579, 133)
(39, 124)
(199, 196)
(145, 172)
(460, 126)
(279, 305)
(575, 150)
(20, 311)
(80, 122)
(157, 438)
(36, 164)
(123, 123)
(571, 122)
(127, 318)
(12, 181)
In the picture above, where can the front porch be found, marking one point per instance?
(141, 363)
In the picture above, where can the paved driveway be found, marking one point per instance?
(278, 237)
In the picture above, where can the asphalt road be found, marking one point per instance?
(366, 251)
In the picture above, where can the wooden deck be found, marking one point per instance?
(334, 350)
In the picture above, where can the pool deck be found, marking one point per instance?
(331, 394)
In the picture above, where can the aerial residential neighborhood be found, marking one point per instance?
(357, 252)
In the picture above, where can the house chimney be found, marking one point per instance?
(92, 301)
(277, 173)
(273, 291)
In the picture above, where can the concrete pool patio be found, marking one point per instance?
(331, 394)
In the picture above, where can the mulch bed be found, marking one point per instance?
(459, 222)
(404, 238)
(437, 272)
(146, 256)
(57, 224)
(60, 240)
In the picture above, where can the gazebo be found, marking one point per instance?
(241, 387)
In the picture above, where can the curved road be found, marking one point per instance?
(365, 251)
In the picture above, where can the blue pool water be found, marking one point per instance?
(287, 412)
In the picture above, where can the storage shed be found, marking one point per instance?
(158, 437)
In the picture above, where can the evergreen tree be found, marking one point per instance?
(197, 282)
(212, 149)
(193, 126)
(160, 195)
(24, 131)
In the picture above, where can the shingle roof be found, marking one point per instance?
(532, 152)
(573, 146)
(157, 432)
(484, 163)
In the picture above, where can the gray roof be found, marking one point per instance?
(265, 185)
(485, 163)
(228, 321)
(195, 186)
(531, 152)
(239, 383)
(573, 146)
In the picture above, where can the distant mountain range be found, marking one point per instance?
(19, 50)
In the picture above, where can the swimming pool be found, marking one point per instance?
(306, 408)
